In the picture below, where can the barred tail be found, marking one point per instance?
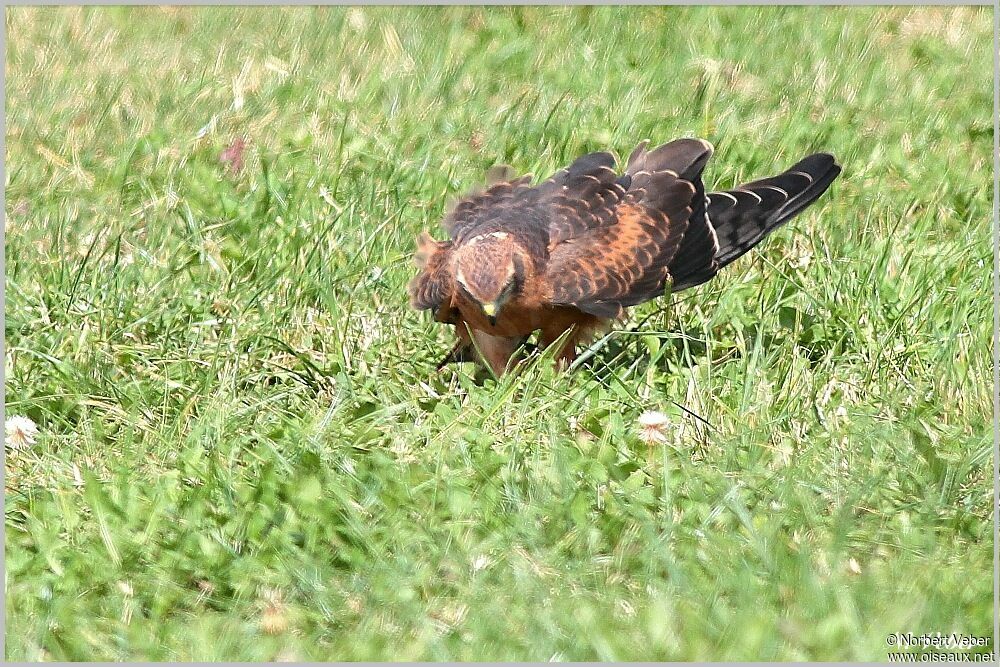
(742, 217)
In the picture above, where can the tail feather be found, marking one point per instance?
(743, 216)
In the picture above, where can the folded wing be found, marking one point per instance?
(610, 262)
(431, 287)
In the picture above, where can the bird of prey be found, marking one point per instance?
(571, 253)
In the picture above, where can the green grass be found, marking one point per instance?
(245, 453)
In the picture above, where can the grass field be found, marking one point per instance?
(244, 452)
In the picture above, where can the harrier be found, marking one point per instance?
(573, 252)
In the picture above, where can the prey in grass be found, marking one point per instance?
(568, 256)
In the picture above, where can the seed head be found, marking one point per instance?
(21, 433)
(653, 427)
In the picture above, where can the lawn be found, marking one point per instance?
(244, 450)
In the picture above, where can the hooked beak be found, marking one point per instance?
(490, 311)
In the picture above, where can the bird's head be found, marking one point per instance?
(489, 269)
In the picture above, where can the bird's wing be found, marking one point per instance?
(493, 205)
(580, 198)
(624, 263)
(569, 203)
(623, 256)
(432, 285)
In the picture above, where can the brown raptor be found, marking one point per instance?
(574, 251)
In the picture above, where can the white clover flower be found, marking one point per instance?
(652, 427)
(481, 562)
(21, 432)
(803, 260)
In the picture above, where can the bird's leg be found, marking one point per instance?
(462, 351)
(496, 350)
(566, 357)
(481, 347)
(566, 354)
